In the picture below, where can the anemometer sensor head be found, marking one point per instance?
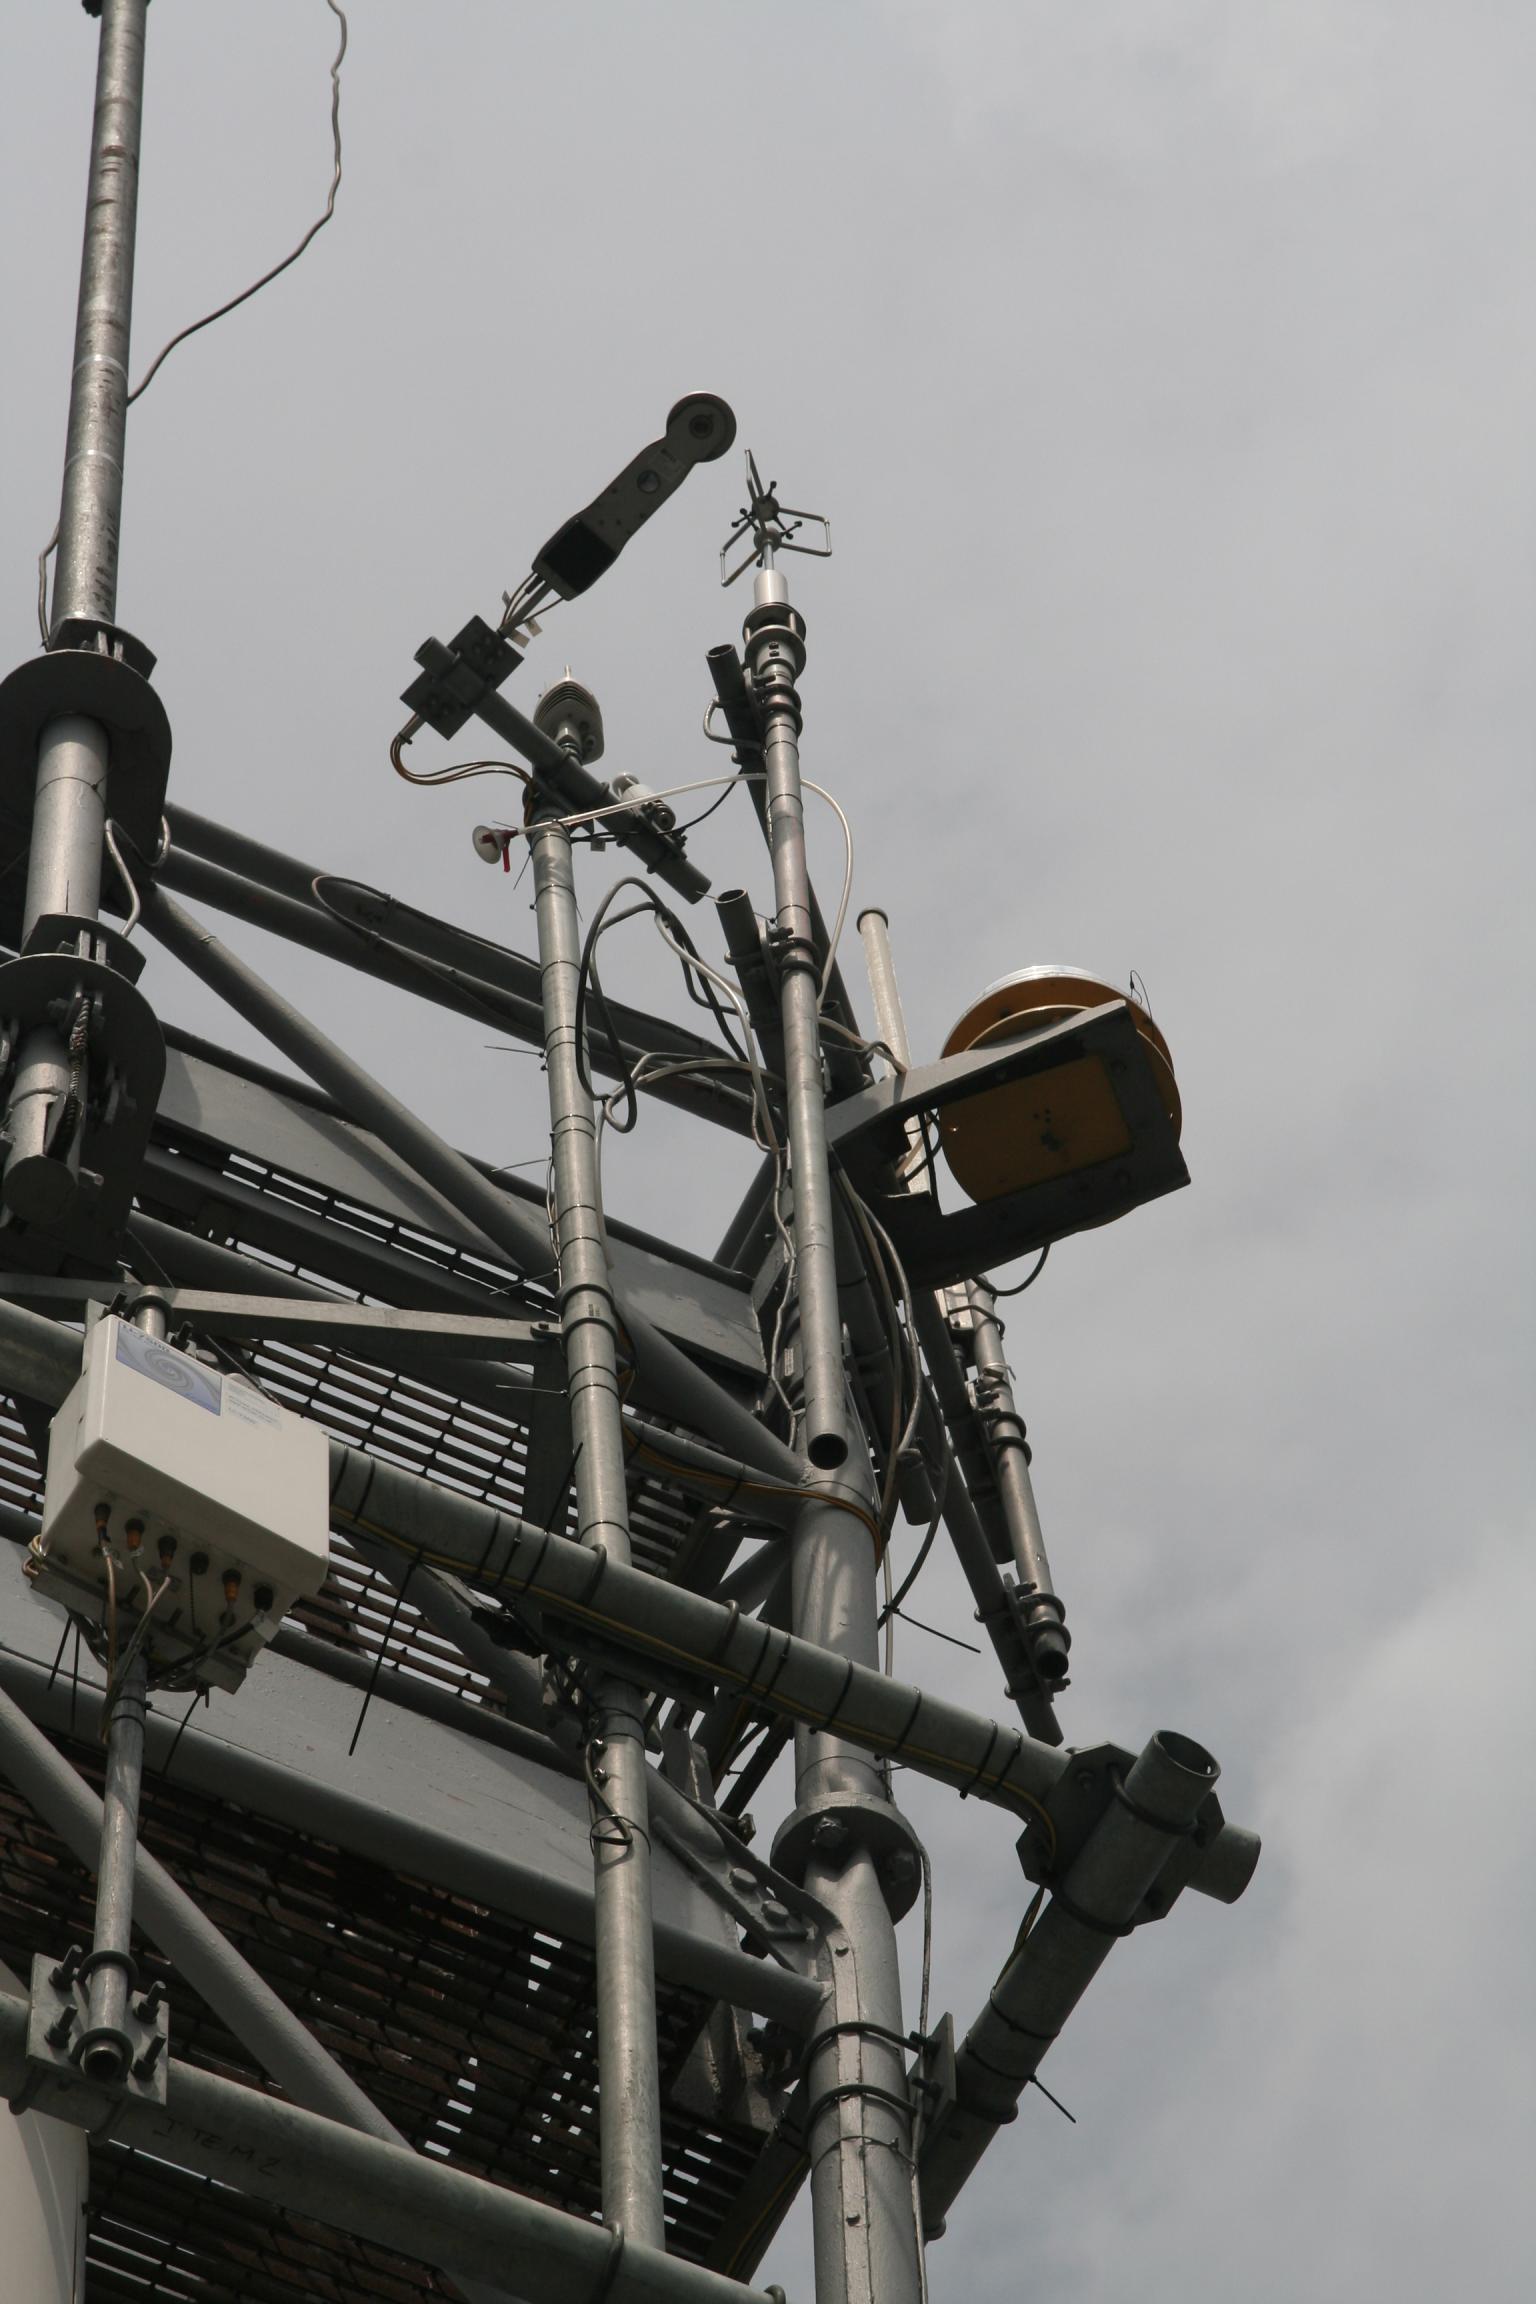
(700, 427)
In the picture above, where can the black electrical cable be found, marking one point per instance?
(694, 821)
(589, 986)
(294, 254)
(1027, 1282)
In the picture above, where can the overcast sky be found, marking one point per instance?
(1166, 370)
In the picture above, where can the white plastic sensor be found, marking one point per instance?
(174, 1487)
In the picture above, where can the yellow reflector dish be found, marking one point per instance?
(1036, 1130)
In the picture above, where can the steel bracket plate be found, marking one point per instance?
(454, 680)
(56, 2021)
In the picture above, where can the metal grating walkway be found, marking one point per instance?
(473, 2032)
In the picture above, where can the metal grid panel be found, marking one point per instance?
(472, 2031)
(406, 1242)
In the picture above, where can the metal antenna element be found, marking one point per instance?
(772, 528)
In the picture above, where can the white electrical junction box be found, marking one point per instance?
(211, 1501)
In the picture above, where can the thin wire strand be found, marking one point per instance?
(1027, 1282)
(458, 774)
(208, 318)
(43, 559)
(673, 792)
(293, 255)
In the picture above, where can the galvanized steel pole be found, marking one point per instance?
(774, 636)
(629, 2089)
(103, 2048)
(70, 806)
(85, 583)
(1041, 1614)
(1052, 1967)
(859, 2119)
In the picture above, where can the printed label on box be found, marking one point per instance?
(164, 1365)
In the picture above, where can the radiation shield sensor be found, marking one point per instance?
(182, 1507)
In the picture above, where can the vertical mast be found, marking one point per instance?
(628, 2080)
(74, 748)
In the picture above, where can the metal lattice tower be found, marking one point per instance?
(501, 1997)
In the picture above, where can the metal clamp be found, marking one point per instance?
(58, 2044)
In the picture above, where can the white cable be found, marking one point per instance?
(710, 784)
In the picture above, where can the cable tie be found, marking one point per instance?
(986, 1761)
(1189, 1831)
(861, 2026)
(778, 1670)
(1091, 1919)
(841, 1694)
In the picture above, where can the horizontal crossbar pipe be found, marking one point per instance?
(1049, 1972)
(605, 1608)
(37, 1356)
(663, 1375)
(502, 990)
(449, 1615)
(625, 1611)
(382, 2193)
(484, 1873)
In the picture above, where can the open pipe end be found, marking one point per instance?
(1228, 1864)
(827, 1450)
(103, 2058)
(1183, 1753)
(1048, 1654)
